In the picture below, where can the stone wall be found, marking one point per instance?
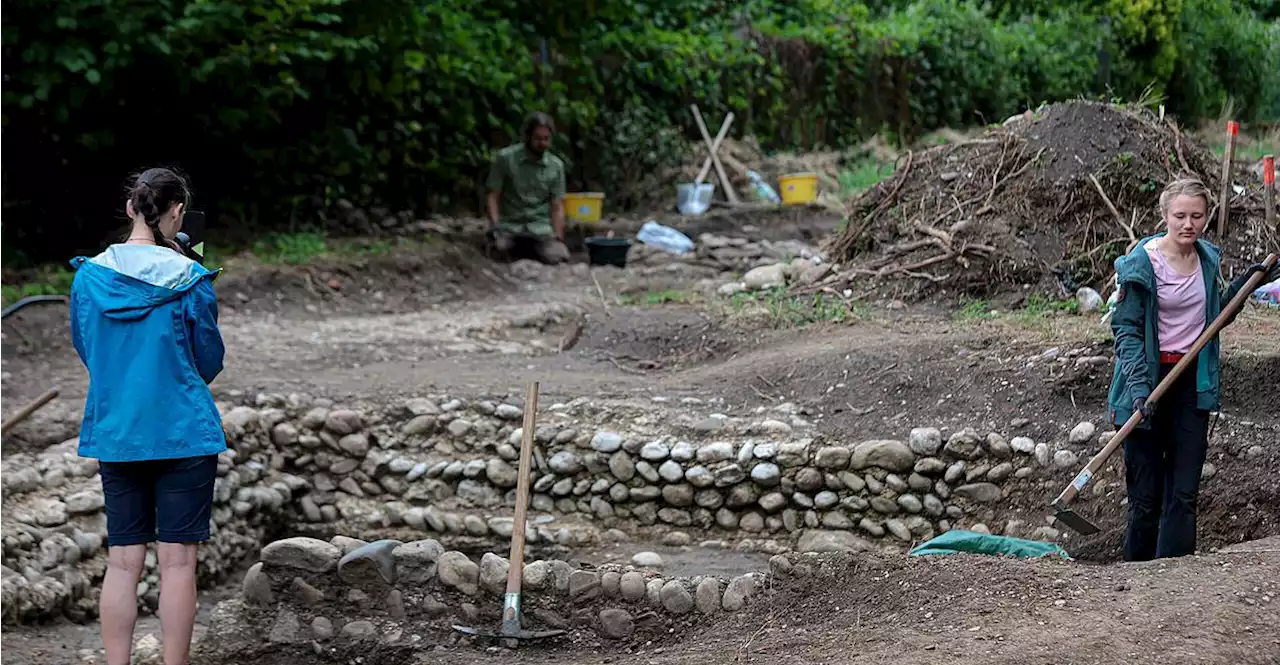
(444, 465)
(447, 466)
(308, 591)
(55, 530)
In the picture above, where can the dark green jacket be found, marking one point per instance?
(1135, 322)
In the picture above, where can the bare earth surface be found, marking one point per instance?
(448, 321)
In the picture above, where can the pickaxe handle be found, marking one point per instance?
(515, 574)
(1091, 469)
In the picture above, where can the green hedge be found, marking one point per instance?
(278, 109)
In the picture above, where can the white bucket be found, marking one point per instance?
(693, 202)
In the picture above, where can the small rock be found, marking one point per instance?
(655, 451)
(493, 573)
(359, 630)
(616, 624)
(813, 540)
(1082, 434)
(647, 560)
(738, 592)
(765, 277)
(979, 492)
(965, 445)
(459, 572)
(707, 595)
(632, 586)
(322, 629)
(508, 412)
(1065, 459)
(925, 441)
(885, 453)
(1023, 445)
(606, 441)
(500, 473)
(257, 587)
(675, 598)
(343, 422)
(309, 554)
(767, 474)
(565, 462)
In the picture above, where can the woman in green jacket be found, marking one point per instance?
(1168, 293)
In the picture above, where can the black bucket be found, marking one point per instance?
(608, 251)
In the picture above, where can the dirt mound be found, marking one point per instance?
(1048, 199)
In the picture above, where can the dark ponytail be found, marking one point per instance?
(153, 193)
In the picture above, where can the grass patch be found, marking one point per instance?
(50, 280)
(783, 310)
(1037, 312)
(303, 248)
(865, 175)
(975, 310)
(655, 298)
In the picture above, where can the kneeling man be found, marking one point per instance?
(526, 194)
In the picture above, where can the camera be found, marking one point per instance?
(191, 238)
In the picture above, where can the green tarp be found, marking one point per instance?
(972, 542)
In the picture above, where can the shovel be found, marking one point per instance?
(511, 631)
(1069, 517)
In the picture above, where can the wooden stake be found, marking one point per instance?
(706, 163)
(715, 160)
(1224, 199)
(28, 410)
(1269, 190)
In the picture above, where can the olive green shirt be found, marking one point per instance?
(528, 184)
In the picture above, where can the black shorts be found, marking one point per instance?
(167, 500)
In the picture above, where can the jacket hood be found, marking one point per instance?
(1136, 265)
(128, 281)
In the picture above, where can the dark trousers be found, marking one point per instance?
(1162, 471)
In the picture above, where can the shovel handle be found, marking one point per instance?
(515, 574)
(1091, 469)
(28, 410)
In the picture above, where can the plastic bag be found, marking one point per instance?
(1268, 294)
(665, 238)
(1089, 300)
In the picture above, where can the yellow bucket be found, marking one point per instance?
(799, 188)
(583, 207)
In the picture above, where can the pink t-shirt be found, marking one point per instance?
(1181, 301)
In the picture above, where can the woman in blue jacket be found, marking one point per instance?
(144, 320)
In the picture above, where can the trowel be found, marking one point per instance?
(511, 631)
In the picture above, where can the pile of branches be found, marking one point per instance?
(1049, 199)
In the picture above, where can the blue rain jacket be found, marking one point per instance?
(144, 321)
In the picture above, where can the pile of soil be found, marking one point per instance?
(1024, 205)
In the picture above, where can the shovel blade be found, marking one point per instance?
(1075, 522)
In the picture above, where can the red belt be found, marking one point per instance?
(1168, 358)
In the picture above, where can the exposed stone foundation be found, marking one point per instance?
(444, 465)
(308, 591)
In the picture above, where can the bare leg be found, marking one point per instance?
(177, 600)
(118, 606)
